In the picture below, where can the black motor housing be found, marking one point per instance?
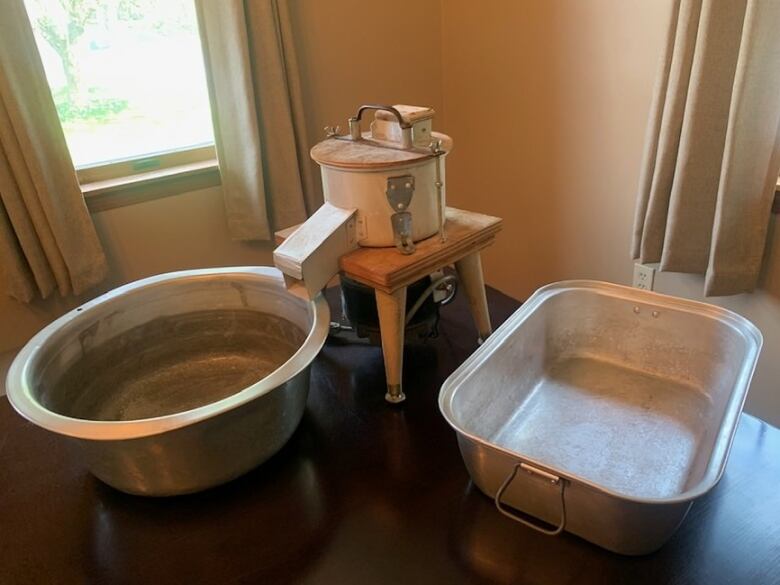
(359, 306)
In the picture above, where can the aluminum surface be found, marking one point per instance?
(630, 397)
(177, 382)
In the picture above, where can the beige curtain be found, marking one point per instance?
(711, 155)
(258, 115)
(47, 239)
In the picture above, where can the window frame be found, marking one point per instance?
(120, 182)
(146, 163)
(152, 176)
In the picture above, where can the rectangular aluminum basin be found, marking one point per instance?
(603, 410)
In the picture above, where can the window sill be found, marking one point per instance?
(113, 193)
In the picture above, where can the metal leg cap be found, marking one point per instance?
(395, 394)
(481, 339)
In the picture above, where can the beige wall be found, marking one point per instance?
(548, 102)
(353, 52)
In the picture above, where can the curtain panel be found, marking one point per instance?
(711, 153)
(258, 117)
(47, 239)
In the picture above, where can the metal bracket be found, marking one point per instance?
(399, 195)
(399, 192)
(438, 152)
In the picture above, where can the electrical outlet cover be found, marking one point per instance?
(644, 276)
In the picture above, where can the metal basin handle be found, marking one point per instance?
(553, 479)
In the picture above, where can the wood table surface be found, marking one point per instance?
(365, 493)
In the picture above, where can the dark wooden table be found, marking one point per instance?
(364, 493)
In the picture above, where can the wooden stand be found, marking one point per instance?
(389, 272)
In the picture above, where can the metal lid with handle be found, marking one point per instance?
(400, 136)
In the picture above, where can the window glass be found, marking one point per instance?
(127, 76)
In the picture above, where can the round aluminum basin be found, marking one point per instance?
(178, 382)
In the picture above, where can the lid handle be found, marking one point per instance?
(406, 128)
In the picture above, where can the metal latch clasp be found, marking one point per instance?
(399, 195)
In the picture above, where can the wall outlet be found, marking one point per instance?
(644, 276)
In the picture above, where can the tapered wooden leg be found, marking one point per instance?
(392, 313)
(471, 279)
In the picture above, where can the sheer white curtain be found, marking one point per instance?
(712, 151)
(47, 239)
(258, 115)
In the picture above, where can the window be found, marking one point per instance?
(128, 81)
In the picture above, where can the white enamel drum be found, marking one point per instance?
(383, 188)
(363, 187)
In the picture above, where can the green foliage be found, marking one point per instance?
(87, 46)
(93, 108)
(129, 10)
